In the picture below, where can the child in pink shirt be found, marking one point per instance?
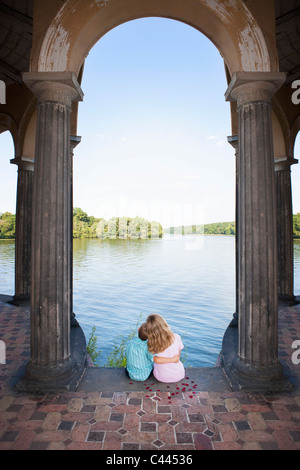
(163, 343)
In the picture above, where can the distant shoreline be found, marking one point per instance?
(125, 228)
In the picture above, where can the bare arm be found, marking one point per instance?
(166, 360)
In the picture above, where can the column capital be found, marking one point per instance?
(74, 141)
(233, 140)
(24, 163)
(284, 163)
(61, 87)
(246, 87)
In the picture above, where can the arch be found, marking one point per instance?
(77, 25)
(295, 133)
(279, 141)
(7, 123)
(30, 136)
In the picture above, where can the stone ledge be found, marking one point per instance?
(114, 380)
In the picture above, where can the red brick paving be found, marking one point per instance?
(204, 420)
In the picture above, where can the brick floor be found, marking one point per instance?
(188, 419)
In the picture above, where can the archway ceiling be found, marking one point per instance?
(16, 23)
(15, 39)
(288, 37)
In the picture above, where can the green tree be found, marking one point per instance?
(7, 225)
(296, 225)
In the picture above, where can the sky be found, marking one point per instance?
(154, 124)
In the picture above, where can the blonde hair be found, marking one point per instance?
(160, 337)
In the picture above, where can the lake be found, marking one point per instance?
(189, 280)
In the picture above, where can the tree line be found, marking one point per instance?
(218, 228)
(85, 226)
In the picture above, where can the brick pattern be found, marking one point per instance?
(187, 419)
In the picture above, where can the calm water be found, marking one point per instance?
(188, 280)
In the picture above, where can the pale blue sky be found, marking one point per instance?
(154, 126)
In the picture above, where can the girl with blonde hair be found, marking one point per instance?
(163, 343)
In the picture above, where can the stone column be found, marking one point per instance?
(51, 364)
(234, 141)
(256, 365)
(74, 141)
(23, 229)
(285, 228)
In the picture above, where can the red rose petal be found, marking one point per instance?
(191, 396)
(147, 396)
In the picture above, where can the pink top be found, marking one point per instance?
(171, 372)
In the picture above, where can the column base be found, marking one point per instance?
(289, 299)
(47, 379)
(243, 378)
(235, 321)
(73, 320)
(256, 379)
(57, 379)
(20, 300)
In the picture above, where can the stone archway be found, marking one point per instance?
(76, 26)
(251, 60)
